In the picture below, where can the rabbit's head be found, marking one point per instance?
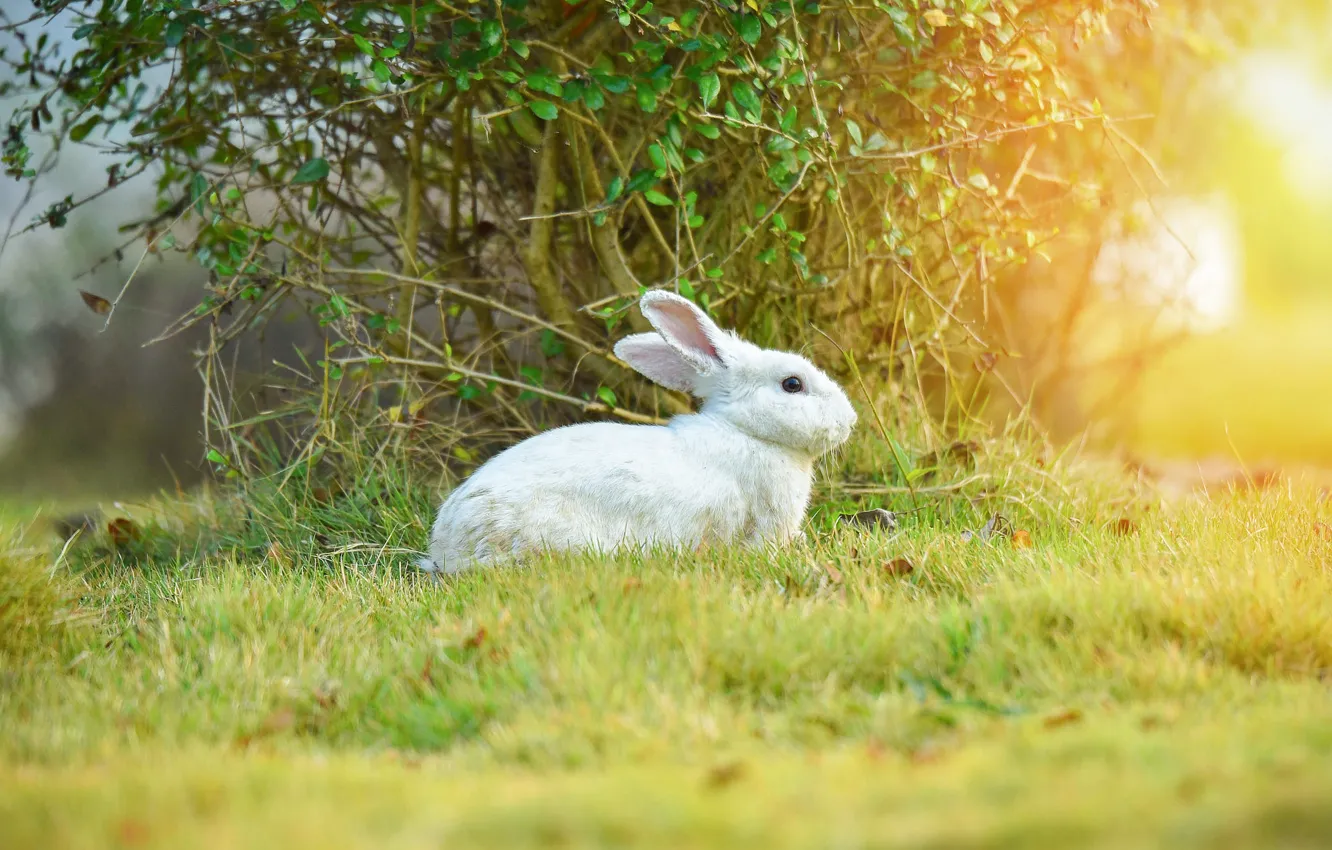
(773, 396)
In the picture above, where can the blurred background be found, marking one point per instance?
(1214, 286)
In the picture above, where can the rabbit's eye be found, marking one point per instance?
(792, 384)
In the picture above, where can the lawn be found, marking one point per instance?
(275, 676)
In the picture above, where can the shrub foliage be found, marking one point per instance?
(467, 197)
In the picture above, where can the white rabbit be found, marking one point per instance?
(739, 470)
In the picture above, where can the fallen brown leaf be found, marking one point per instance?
(1124, 526)
(476, 638)
(1063, 718)
(986, 362)
(278, 721)
(122, 531)
(1323, 530)
(1022, 540)
(1265, 478)
(875, 518)
(833, 573)
(899, 567)
(997, 524)
(132, 832)
(96, 303)
(725, 774)
(925, 754)
(875, 750)
(327, 696)
(963, 451)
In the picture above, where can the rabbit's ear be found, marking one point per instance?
(652, 357)
(686, 329)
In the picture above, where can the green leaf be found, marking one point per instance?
(607, 395)
(491, 32)
(647, 98)
(545, 83)
(750, 29)
(925, 80)
(593, 97)
(288, 5)
(614, 189)
(175, 32)
(214, 456)
(198, 189)
(551, 346)
(642, 179)
(745, 96)
(544, 109)
(658, 158)
(380, 70)
(79, 132)
(695, 221)
(655, 197)
(521, 49)
(853, 130)
(708, 131)
(364, 45)
(709, 86)
(312, 171)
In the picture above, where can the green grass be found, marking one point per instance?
(287, 682)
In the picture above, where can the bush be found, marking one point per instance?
(468, 200)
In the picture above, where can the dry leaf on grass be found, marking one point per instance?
(477, 638)
(873, 519)
(122, 531)
(725, 774)
(1063, 718)
(899, 567)
(279, 721)
(997, 524)
(1124, 526)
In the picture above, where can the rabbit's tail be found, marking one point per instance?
(426, 564)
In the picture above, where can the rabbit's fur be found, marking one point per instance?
(739, 470)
